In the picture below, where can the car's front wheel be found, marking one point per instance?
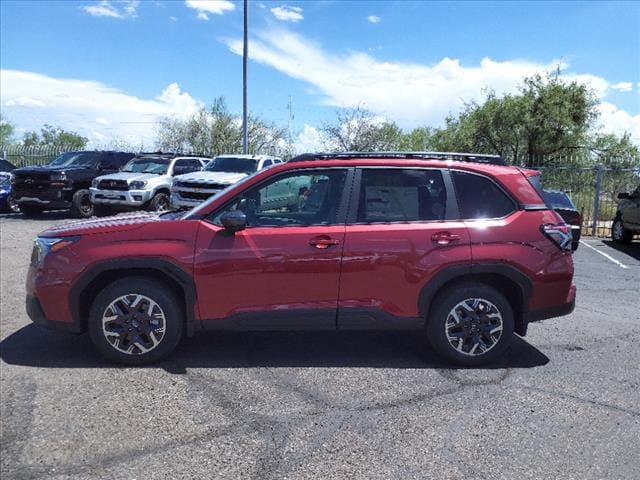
(470, 324)
(81, 206)
(135, 321)
(159, 203)
(619, 234)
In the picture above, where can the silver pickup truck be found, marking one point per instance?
(143, 182)
(194, 188)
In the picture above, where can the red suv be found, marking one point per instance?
(465, 249)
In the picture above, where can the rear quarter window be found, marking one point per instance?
(479, 197)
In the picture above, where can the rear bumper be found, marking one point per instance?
(37, 316)
(555, 311)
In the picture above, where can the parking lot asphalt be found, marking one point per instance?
(563, 403)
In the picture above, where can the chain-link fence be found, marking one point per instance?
(592, 183)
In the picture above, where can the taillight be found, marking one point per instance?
(559, 233)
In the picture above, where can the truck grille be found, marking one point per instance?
(196, 195)
(120, 185)
(202, 185)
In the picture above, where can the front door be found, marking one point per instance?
(283, 270)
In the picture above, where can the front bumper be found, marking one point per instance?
(50, 197)
(37, 316)
(128, 198)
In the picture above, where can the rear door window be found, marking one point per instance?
(479, 197)
(401, 195)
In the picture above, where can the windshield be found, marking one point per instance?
(232, 164)
(155, 165)
(72, 159)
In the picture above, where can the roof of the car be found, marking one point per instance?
(250, 157)
(452, 156)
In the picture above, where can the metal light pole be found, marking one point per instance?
(245, 138)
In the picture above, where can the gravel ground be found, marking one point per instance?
(562, 404)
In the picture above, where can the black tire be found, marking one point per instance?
(159, 203)
(81, 206)
(31, 211)
(477, 322)
(130, 336)
(12, 205)
(619, 234)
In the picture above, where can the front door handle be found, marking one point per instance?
(323, 242)
(444, 238)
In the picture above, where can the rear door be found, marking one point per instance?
(283, 270)
(402, 229)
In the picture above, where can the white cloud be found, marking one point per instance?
(287, 14)
(308, 140)
(374, 19)
(205, 7)
(91, 108)
(121, 9)
(622, 86)
(173, 19)
(411, 93)
(614, 120)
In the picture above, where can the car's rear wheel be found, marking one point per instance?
(31, 211)
(135, 321)
(619, 234)
(81, 206)
(470, 324)
(12, 205)
(159, 203)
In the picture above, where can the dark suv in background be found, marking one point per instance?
(64, 183)
(467, 251)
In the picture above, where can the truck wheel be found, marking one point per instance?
(135, 321)
(619, 234)
(159, 203)
(30, 210)
(81, 206)
(470, 324)
(12, 205)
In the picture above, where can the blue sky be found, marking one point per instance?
(110, 69)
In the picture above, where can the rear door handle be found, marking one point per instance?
(444, 238)
(323, 242)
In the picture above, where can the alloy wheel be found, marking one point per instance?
(474, 326)
(133, 324)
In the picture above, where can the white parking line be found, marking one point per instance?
(607, 256)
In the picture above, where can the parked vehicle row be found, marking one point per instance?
(467, 251)
(96, 183)
(626, 223)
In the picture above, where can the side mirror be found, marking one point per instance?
(623, 196)
(234, 221)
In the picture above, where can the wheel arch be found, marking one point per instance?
(100, 275)
(508, 280)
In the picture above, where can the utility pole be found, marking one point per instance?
(245, 51)
(290, 108)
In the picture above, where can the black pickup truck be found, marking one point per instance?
(64, 183)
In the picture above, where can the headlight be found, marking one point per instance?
(95, 182)
(137, 184)
(45, 245)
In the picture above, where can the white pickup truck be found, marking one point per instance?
(194, 188)
(143, 182)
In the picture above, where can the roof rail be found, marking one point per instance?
(462, 157)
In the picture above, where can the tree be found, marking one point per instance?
(55, 137)
(419, 139)
(549, 116)
(6, 130)
(215, 131)
(358, 130)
